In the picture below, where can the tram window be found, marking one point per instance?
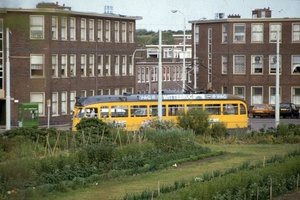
(242, 109)
(139, 111)
(213, 109)
(230, 109)
(104, 111)
(80, 113)
(175, 109)
(119, 111)
(154, 111)
(91, 112)
(195, 106)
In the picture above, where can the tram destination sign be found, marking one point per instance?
(149, 97)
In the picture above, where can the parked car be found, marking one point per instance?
(263, 110)
(289, 110)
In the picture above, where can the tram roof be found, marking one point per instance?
(83, 101)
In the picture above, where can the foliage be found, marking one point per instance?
(157, 124)
(195, 119)
(93, 125)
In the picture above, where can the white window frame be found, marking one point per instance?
(39, 98)
(83, 93)
(83, 64)
(73, 65)
(239, 91)
(256, 95)
(100, 65)
(224, 64)
(296, 95)
(37, 27)
(257, 33)
(239, 33)
(239, 67)
(130, 70)
(273, 64)
(72, 99)
(83, 29)
(131, 32)
(117, 31)
(72, 28)
(91, 30)
(117, 91)
(100, 30)
(64, 65)
(124, 65)
(64, 103)
(295, 64)
(107, 65)
(37, 62)
(54, 28)
(54, 103)
(54, 64)
(117, 65)
(64, 28)
(296, 32)
(124, 32)
(91, 65)
(257, 64)
(139, 75)
(273, 32)
(107, 31)
(224, 33)
(272, 95)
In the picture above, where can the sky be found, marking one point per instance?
(157, 14)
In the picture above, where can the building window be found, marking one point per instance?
(117, 66)
(272, 95)
(54, 103)
(296, 32)
(36, 27)
(296, 95)
(130, 66)
(100, 31)
(273, 64)
(72, 65)
(117, 32)
(91, 65)
(91, 30)
(117, 91)
(1, 55)
(239, 91)
(239, 65)
(54, 25)
(107, 92)
(91, 93)
(257, 64)
(224, 33)
(107, 65)
(64, 65)
(143, 74)
(197, 33)
(83, 29)
(72, 28)
(273, 32)
(100, 92)
(224, 90)
(239, 33)
(296, 64)
(107, 31)
(224, 64)
(72, 99)
(124, 31)
(83, 93)
(257, 95)
(39, 98)
(124, 64)
(83, 65)
(36, 66)
(54, 62)
(100, 65)
(139, 74)
(257, 33)
(64, 30)
(130, 32)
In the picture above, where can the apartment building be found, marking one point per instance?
(239, 56)
(146, 65)
(56, 54)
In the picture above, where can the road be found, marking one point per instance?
(257, 123)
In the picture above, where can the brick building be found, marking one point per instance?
(238, 55)
(57, 54)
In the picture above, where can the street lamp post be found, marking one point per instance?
(183, 65)
(277, 116)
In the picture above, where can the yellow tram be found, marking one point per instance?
(134, 111)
